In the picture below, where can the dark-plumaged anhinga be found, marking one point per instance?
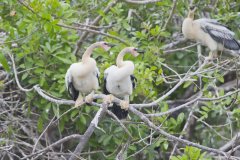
(119, 81)
(210, 33)
(82, 77)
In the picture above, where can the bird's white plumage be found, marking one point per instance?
(118, 81)
(83, 76)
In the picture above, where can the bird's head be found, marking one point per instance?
(106, 46)
(192, 10)
(135, 51)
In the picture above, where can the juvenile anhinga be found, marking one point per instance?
(82, 77)
(120, 81)
(209, 32)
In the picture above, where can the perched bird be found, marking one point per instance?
(83, 77)
(119, 81)
(209, 32)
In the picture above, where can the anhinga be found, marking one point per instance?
(82, 77)
(209, 32)
(119, 81)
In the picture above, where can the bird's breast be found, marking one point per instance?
(120, 88)
(87, 83)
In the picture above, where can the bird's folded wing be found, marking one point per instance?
(219, 33)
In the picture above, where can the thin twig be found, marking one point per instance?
(171, 14)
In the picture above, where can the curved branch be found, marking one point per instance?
(171, 137)
(84, 139)
(93, 31)
(16, 77)
(142, 2)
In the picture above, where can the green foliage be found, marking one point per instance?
(4, 63)
(191, 153)
(45, 51)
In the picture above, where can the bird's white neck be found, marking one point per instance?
(89, 51)
(120, 56)
(187, 28)
(191, 15)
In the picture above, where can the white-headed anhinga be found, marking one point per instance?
(82, 78)
(209, 32)
(119, 81)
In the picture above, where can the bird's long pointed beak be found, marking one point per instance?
(193, 8)
(111, 45)
(140, 51)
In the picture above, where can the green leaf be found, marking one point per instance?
(165, 145)
(187, 84)
(74, 113)
(83, 119)
(24, 76)
(126, 26)
(4, 62)
(180, 118)
(64, 60)
(56, 111)
(107, 140)
(40, 125)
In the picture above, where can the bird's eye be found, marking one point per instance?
(105, 43)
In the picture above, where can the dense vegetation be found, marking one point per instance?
(46, 36)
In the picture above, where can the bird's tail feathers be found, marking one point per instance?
(120, 113)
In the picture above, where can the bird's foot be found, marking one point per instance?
(108, 99)
(89, 98)
(124, 105)
(209, 58)
(202, 58)
(212, 56)
(206, 59)
(79, 102)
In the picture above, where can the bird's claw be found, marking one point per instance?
(89, 98)
(124, 105)
(108, 99)
(202, 58)
(79, 102)
(206, 59)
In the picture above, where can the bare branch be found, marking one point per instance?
(183, 130)
(95, 22)
(84, 139)
(179, 49)
(228, 145)
(171, 137)
(93, 31)
(142, 1)
(171, 14)
(65, 139)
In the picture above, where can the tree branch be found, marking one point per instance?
(171, 137)
(142, 1)
(84, 139)
(95, 22)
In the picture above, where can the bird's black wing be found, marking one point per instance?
(98, 75)
(134, 81)
(224, 38)
(105, 91)
(72, 91)
(70, 87)
(220, 33)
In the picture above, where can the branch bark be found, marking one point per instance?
(142, 2)
(84, 139)
(171, 137)
(95, 22)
